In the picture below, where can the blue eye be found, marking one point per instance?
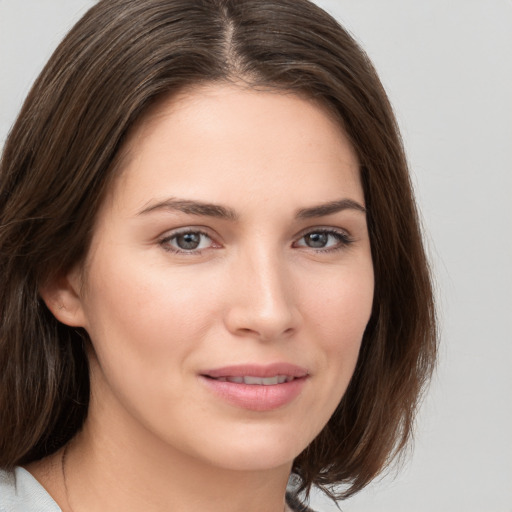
(187, 241)
(325, 240)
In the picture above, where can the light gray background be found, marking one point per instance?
(447, 66)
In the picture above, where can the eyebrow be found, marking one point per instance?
(199, 208)
(192, 208)
(330, 208)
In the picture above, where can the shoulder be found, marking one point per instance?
(21, 492)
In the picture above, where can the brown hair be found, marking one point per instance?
(59, 160)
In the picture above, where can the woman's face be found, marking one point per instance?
(229, 280)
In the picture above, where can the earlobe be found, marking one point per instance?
(62, 296)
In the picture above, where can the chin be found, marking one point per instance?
(257, 449)
(256, 458)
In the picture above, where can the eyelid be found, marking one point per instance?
(344, 238)
(165, 238)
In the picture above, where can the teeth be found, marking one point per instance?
(238, 380)
(261, 381)
(265, 381)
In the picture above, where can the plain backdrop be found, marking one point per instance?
(447, 66)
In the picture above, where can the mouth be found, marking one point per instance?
(255, 387)
(257, 375)
(256, 381)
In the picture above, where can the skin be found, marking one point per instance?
(256, 290)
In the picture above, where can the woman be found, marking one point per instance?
(213, 274)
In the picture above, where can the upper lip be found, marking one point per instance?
(254, 370)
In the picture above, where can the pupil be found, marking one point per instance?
(188, 240)
(316, 239)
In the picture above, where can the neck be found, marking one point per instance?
(105, 472)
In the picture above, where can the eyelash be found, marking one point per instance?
(343, 239)
(165, 242)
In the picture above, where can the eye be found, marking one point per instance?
(324, 240)
(191, 241)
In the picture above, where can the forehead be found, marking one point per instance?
(219, 138)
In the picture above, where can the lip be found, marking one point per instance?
(256, 397)
(262, 371)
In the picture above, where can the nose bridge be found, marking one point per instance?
(264, 302)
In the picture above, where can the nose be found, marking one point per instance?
(263, 299)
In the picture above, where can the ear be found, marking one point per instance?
(62, 296)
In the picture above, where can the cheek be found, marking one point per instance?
(341, 304)
(338, 311)
(146, 312)
(335, 311)
(144, 322)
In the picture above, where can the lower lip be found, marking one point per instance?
(256, 397)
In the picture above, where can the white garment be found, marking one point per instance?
(21, 492)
